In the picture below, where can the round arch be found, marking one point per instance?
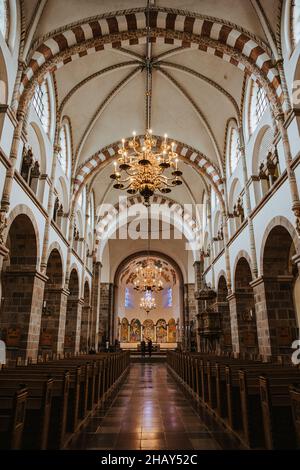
(127, 260)
(285, 223)
(186, 153)
(109, 213)
(22, 209)
(117, 220)
(241, 254)
(222, 39)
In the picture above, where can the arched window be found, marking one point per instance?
(168, 297)
(63, 154)
(4, 18)
(234, 149)
(295, 22)
(128, 298)
(257, 107)
(90, 214)
(41, 105)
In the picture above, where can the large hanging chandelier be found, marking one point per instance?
(147, 302)
(148, 277)
(141, 167)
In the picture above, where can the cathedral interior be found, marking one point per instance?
(149, 224)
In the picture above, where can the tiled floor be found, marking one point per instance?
(151, 412)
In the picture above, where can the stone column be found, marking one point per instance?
(248, 204)
(53, 321)
(211, 242)
(198, 267)
(234, 323)
(189, 312)
(262, 321)
(51, 200)
(21, 317)
(106, 310)
(73, 324)
(226, 251)
(95, 310)
(275, 304)
(78, 325)
(60, 340)
(5, 201)
(223, 309)
(35, 315)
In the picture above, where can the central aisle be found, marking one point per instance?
(149, 412)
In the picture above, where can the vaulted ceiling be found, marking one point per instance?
(194, 93)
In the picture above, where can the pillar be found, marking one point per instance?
(95, 310)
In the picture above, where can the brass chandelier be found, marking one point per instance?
(147, 302)
(148, 277)
(141, 168)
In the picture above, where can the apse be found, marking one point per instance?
(149, 311)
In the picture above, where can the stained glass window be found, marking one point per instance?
(128, 298)
(168, 297)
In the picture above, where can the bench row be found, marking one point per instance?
(257, 401)
(43, 404)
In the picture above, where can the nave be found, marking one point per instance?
(151, 412)
(149, 202)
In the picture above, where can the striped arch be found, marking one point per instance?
(186, 153)
(115, 216)
(114, 30)
(174, 207)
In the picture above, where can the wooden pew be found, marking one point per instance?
(278, 422)
(295, 404)
(12, 417)
(251, 400)
(89, 378)
(38, 409)
(57, 428)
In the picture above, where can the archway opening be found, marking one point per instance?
(281, 285)
(245, 308)
(72, 328)
(18, 283)
(162, 324)
(52, 305)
